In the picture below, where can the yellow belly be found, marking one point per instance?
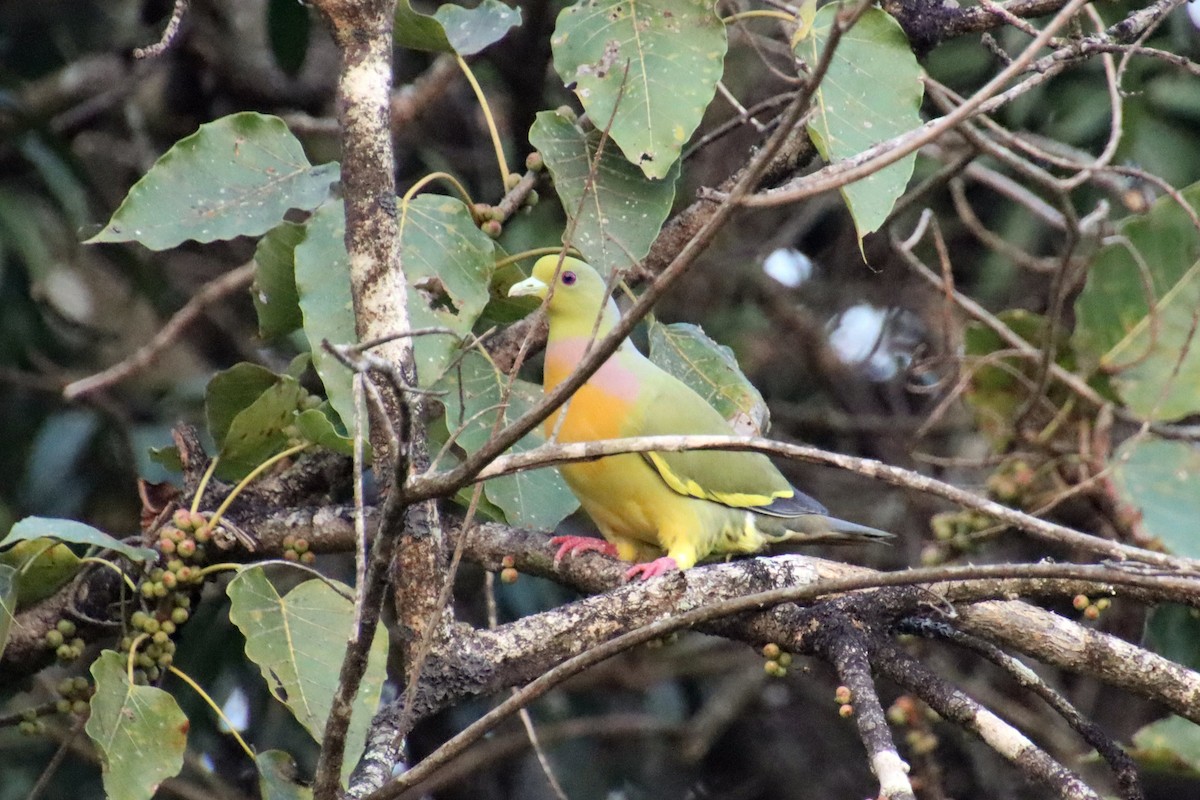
(626, 497)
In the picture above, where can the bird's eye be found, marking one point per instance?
(568, 278)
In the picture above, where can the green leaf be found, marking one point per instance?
(1171, 743)
(274, 290)
(139, 731)
(43, 566)
(454, 29)
(231, 392)
(999, 388)
(472, 29)
(418, 31)
(448, 266)
(8, 602)
(262, 429)
(674, 50)
(315, 426)
(323, 284)
(298, 640)
(537, 498)
(66, 530)
(501, 308)
(299, 365)
(621, 213)
(1161, 479)
(277, 777)
(1134, 315)
(236, 176)
(871, 93)
(1173, 631)
(1157, 365)
(167, 457)
(711, 370)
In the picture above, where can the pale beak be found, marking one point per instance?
(530, 287)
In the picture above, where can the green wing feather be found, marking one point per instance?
(739, 479)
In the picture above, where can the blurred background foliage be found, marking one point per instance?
(849, 355)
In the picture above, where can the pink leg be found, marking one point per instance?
(570, 545)
(659, 566)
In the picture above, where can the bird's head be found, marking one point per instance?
(579, 291)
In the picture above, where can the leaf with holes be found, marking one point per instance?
(621, 212)
(140, 731)
(448, 265)
(871, 93)
(657, 62)
(298, 640)
(236, 176)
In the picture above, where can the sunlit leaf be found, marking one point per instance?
(139, 731)
(236, 176)
(712, 371)
(298, 640)
(871, 93)
(656, 61)
(315, 426)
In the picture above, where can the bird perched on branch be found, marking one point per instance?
(688, 505)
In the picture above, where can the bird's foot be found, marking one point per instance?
(652, 569)
(570, 545)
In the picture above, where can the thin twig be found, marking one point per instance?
(210, 293)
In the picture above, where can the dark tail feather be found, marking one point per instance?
(818, 529)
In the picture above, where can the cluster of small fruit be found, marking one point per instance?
(295, 548)
(73, 694)
(167, 591)
(491, 218)
(62, 640)
(777, 661)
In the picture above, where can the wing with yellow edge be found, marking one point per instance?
(737, 479)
